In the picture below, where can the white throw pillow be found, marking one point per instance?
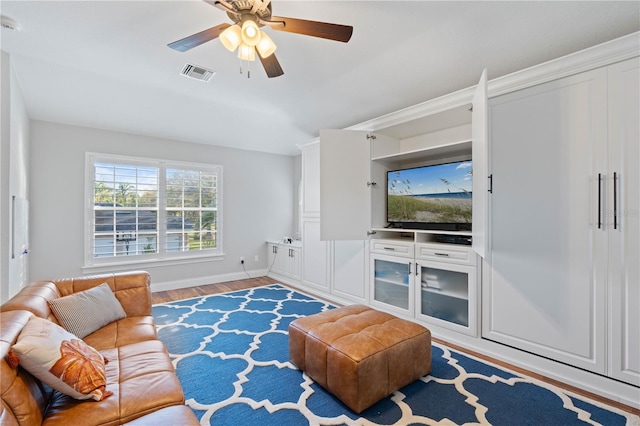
(84, 312)
(61, 360)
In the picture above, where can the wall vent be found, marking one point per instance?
(199, 73)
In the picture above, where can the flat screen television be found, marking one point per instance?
(436, 197)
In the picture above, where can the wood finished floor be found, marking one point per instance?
(204, 290)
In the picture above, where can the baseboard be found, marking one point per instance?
(584, 380)
(211, 279)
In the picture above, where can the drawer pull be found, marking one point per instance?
(441, 254)
(389, 248)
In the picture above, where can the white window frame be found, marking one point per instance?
(165, 258)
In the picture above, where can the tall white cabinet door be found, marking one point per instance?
(350, 268)
(315, 256)
(345, 170)
(547, 288)
(350, 184)
(624, 232)
(311, 181)
(480, 169)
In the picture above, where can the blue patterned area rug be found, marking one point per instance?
(231, 353)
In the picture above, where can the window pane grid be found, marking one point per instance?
(126, 213)
(191, 206)
(125, 201)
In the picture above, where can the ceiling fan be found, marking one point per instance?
(245, 34)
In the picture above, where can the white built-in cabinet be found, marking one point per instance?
(332, 268)
(564, 279)
(285, 260)
(432, 282)
(553, 273)
(349, 272)
(315, 254)
(354, 163)
(353, 195)
(623, 275)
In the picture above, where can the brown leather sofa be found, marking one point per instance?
(146, 390)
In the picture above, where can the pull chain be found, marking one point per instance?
(248, 68)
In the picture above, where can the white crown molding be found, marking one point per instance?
(597, 56)
(617, 50)
(593, 57)
(443, 103)
(302, 146)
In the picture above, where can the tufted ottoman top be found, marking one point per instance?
(360, 354)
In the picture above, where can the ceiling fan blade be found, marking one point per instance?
(197, 39)
(326, 30)
(271, 65)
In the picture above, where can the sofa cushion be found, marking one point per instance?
(142, 379)
(84, 312)
(123, 332)
(61, 360)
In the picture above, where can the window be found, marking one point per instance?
(144, 209)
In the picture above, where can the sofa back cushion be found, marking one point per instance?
(132, 289)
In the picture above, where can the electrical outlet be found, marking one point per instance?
(241, 260)
(256, 258)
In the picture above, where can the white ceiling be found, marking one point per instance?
(106, 64)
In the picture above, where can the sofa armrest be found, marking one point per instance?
(132, 289)
(35, 299)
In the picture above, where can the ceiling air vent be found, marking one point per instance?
(197, 72)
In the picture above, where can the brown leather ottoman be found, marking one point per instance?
(359, 354)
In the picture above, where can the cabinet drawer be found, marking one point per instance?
(395, 248)
(443, 253)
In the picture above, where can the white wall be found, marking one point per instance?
(14, 175)
(258, 202)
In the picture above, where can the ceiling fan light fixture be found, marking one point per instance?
(246, 52)
(266, 46)
(231, 37)
(250, 32)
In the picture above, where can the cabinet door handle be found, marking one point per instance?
(615, 200)
(599, 200)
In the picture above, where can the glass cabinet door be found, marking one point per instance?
(445, 296)
(392, 281)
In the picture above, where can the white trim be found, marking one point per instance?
(104, 264)
(593, 57)
(314, 142)
(211, 279)
(567, 374)
(150, 263)
(432, 106)
(283, 279)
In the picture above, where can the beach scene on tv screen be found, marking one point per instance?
(432, 194)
